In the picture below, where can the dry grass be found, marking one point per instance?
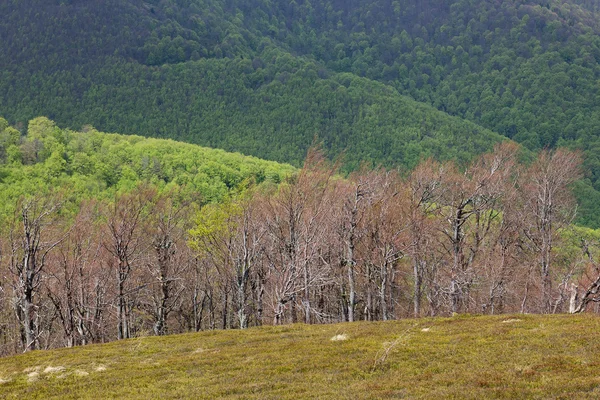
(461, 357)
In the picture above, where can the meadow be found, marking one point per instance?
(470, 357)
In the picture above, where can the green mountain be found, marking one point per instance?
(265, 78)
(147, 73)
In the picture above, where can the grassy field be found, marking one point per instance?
(519, 356)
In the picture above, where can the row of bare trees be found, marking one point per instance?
(373, 246)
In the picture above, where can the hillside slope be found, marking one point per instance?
(527, 70)
(264, 78)
(195, 72)
(96, 165)
(271, 106)
(468, 357)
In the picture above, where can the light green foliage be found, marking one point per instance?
(96, 165)
(14, 154)
(578, 246)
(213, 222)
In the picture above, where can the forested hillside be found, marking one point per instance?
(468, 140)
(63, 194)
(93, 165)
(253, 97)
(265, 77)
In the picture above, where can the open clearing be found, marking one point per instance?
(471, 357)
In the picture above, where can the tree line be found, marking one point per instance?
(494, 236)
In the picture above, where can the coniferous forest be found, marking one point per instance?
(427, 158)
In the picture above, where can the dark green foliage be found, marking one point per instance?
(527, 70)
(265, 112)
(210, 73)
(266, 77)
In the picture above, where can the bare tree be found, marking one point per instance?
(355, 195)
(123, 241)
(583, 287)
(164, 228)
(295, 219)
(231, 236)
(504, 258)
(548, 207)
(31, 239)
(384, 244)
(424, 186)
(77, 284)
(471, 198)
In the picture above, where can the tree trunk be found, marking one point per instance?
(383, 292)
(306, 300)
(350, 257)
(352, 294)
(418, 277)
(546, 281)
(369, 302)
(260, 301)
(278, 313)
(457, 237)
(123, 327)
(29, 320)
(241, 299)
(225, 309)
(162, 310)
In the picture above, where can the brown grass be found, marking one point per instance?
(462, 357)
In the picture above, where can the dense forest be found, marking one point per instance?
(265, 78)
(442, 157)
(95, 165)
(108, 237)
(265, 102)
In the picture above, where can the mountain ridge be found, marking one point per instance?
(265, 78)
